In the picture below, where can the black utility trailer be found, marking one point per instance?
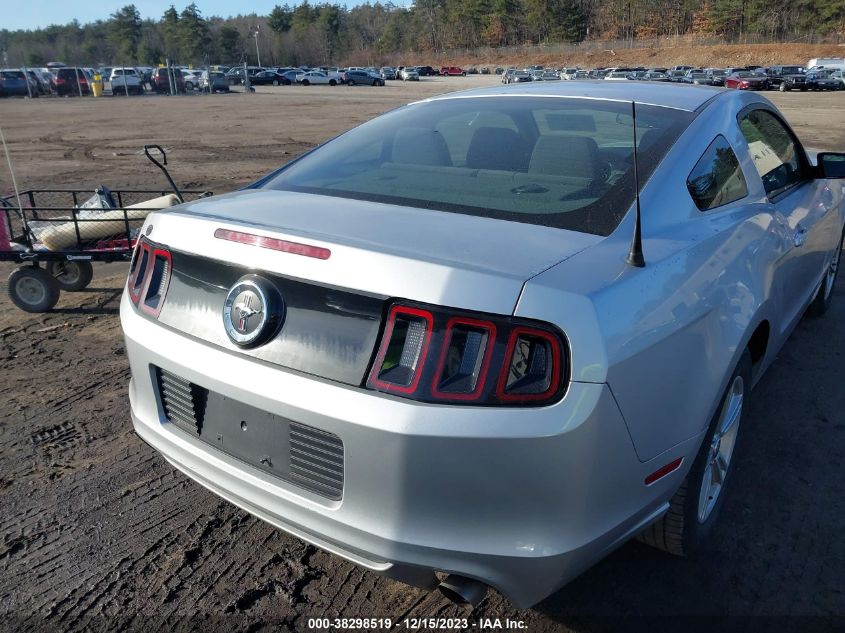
(54, 227)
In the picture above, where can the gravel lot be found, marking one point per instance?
(99, 533)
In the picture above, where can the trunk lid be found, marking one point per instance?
(386, 250)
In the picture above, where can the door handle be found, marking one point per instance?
(800, 236)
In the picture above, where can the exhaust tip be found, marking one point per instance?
(461, 590)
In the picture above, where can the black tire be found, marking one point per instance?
(351, 82)
(332, 82)
(824, 297)
(33, 289)
(305, 82)
(71, 276)
(275, 82)
(681, 530)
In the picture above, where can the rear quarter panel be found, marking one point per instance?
(666, 337)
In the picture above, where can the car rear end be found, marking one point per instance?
(360, 371)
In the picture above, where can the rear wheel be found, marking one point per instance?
(332, 82)
(33, 289)
(275, 82)
(305, 82)
(71, 276)
(824, 296)
(695, 507)
(351, 82)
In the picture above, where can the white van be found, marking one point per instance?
(827, 62)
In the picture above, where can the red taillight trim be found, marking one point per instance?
(133, 276)
(661, 472)
(285, 246)
(155, 311)
(385, 342)
(475, 394)
(554, 382)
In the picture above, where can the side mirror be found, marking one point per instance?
(831, 165)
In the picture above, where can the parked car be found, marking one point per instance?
(785, 78)
(549, 75)
(517, 77)
(409, 73)
(272, 78)
(192, 79)
(235, 75)
(14, 83)
(698, 77)
(568, 73)
(218, 82)
(319, 77)
(746, 80)
(656, 75)
(426, 71)
(71, 81)
(508, 415)
(618, 75)
(125, 81)
(388, 73)
(355, 77)
(822, 80)
(40, 87)
(839, 75)
(452, 71)
(717, 76)
(161, 81)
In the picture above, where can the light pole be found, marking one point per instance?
(257, 52)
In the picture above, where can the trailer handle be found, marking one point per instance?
(162, 167)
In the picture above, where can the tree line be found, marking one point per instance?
(370, 33)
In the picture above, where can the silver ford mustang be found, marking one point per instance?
(486, 338)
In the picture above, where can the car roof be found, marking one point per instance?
(679, 97)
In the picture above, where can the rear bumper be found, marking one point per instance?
(520, 499)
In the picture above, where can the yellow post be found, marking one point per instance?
(97, 85)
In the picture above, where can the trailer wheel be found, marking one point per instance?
(33, 289)
(71, 276)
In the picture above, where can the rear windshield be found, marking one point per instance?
(565, 163)
(12, 74)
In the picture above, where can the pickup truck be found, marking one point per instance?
(452, 71)
(785, 78)
(125, 80)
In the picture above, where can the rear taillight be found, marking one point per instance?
(149, 277)
(434, 354)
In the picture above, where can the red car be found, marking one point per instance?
(161, 82)
(746, 80)
(452, 71)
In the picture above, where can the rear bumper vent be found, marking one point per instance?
(184, 402)
(316, 460)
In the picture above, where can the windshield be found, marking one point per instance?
(792, 70)
(565, 163)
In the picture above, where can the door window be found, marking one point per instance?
(776, 154)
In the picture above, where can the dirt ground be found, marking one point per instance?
(100, 533)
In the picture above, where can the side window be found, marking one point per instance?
(717, 177)
(773, 150)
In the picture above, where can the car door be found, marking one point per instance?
(800, 204)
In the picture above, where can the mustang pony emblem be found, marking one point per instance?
(245, 311)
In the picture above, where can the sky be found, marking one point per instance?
(32, 14)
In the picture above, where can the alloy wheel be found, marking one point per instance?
(722, 446)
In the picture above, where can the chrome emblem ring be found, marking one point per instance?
(253, 311)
